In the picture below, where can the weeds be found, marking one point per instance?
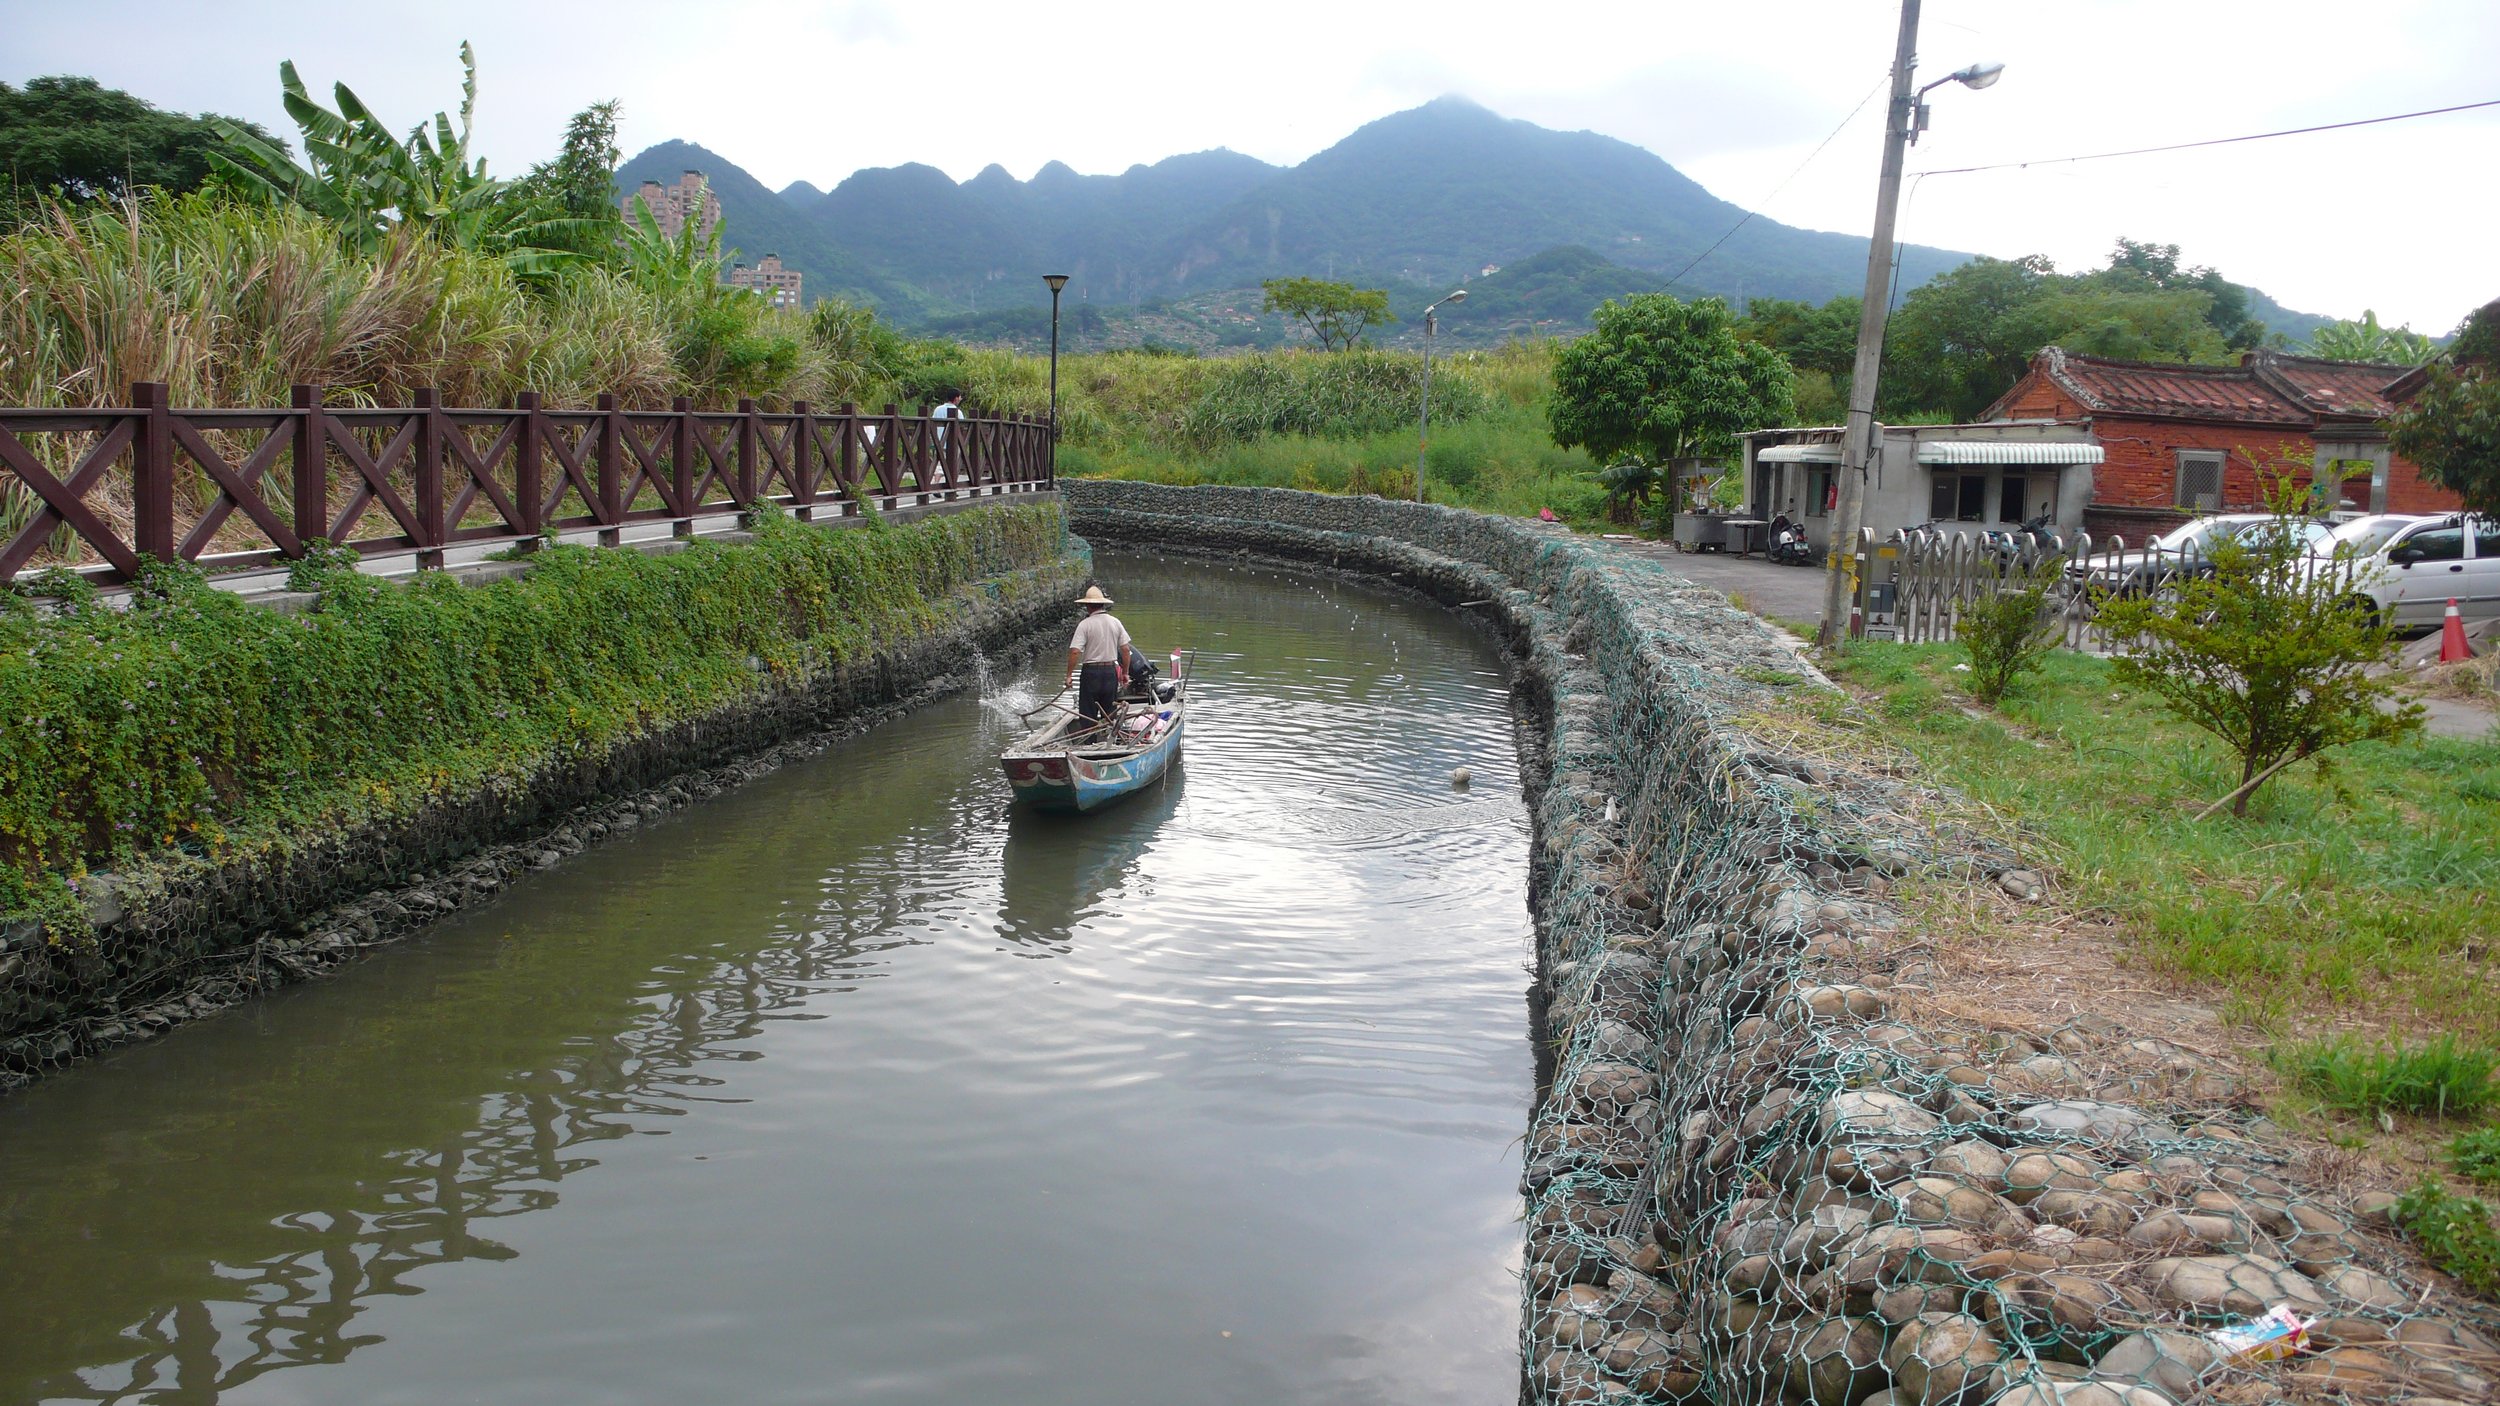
(2441, 1079)
(2476, 1156)
(2453, 1232)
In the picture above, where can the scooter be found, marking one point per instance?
(1788, 544)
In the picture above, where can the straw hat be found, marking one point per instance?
(1093, 596)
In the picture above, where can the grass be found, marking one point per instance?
(2359, 899)
(2440, 1078)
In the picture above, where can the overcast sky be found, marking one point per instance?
(2402, 217)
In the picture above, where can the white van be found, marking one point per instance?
(2414, 565)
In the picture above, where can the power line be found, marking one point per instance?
(2216, 141)
(1783, 185)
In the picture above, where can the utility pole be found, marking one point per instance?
(1840, 585)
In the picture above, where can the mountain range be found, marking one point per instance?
(1540, 226)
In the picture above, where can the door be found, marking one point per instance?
(2427, 568)
(2482, 571)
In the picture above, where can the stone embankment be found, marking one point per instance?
(1762, 1168)
(182, 936)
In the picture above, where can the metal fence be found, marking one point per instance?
(238, 489)
(1918, 586)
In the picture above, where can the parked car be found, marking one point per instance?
(2410, 566)
(2186, 550)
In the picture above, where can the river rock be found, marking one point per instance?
(2085, 1213)
(1972, 1159)
(2172, 1231)
(2115, 1124)
(2035, 1172)
(2078, 1306)
(2052, 1392)
(1809, 1246)
(1616, 1040)
(1935, 1200)
(1875, 1113)
(1611, 1084)
(1944, 1359)
(1836, 1362)
(2356, 1286)
(2241, 1286)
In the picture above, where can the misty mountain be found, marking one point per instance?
(801, 194)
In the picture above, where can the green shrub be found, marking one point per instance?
(2443, 1079)
(2453, 1232)
(1339, 395)
(192, 714)
(2476, 1156)
(2007, 634)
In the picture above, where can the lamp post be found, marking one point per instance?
(1423, 420)
(1056, 281)
(1906, 119)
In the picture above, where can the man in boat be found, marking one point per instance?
(1097, 656)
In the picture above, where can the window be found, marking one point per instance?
(1958, 498)
(2436, 544)
(2200, 479)
(1818, 492)
(2487, 537)
(2017, 493)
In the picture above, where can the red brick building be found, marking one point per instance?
(2180, 439)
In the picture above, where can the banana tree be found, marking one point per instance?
(372, 183)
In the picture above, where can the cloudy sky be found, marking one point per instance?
(2401, 217)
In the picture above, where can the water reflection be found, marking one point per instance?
(1056, 870)
(1247, 1134)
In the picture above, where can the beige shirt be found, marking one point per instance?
(1100, 637)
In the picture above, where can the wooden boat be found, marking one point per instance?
(1067, 764)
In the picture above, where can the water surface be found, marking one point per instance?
(853, 1087)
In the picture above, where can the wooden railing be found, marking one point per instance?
(98, 489)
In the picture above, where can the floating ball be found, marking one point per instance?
(1461, 777)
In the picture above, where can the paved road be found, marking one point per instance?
(1792, 593)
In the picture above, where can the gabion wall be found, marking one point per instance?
(1747, 1181)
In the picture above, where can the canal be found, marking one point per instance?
(849, 1086)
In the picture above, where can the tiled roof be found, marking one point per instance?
(2329, 387)
(2266, 388)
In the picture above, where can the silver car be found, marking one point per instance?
(2186, 550)
(2411, 565)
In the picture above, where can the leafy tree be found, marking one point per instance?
(1813, 338)
(1661, 379)
(2267, 653)
(1963, 338)
(1338, 314)
(2365, 340)
(2007, 634)
(581, 182)
(79, 138)
(2155, 267)
(2451, 427)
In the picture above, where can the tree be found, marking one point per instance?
(2451, 426)
(2365, 340)
(1662, 379)
(581, 182)
(1813, 338)
(371, 183)
(1338, 314)
(79, 138)
(1963, 338)
(2137, 267)
(2267, 653)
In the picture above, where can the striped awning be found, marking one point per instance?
(1799, 454)
(2005, 451)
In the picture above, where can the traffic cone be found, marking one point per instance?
(2452, 648)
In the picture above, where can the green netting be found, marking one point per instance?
(1747, 1182)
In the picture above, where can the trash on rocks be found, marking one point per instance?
(2277, 1335)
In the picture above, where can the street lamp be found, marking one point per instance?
(1056, 281)
(1907, 118)
(1423, 422)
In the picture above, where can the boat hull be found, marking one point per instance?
(1044, 772)
(1062, 781)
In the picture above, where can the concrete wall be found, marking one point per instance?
(1756, 1172)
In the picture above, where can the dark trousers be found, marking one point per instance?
(1098, 691)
